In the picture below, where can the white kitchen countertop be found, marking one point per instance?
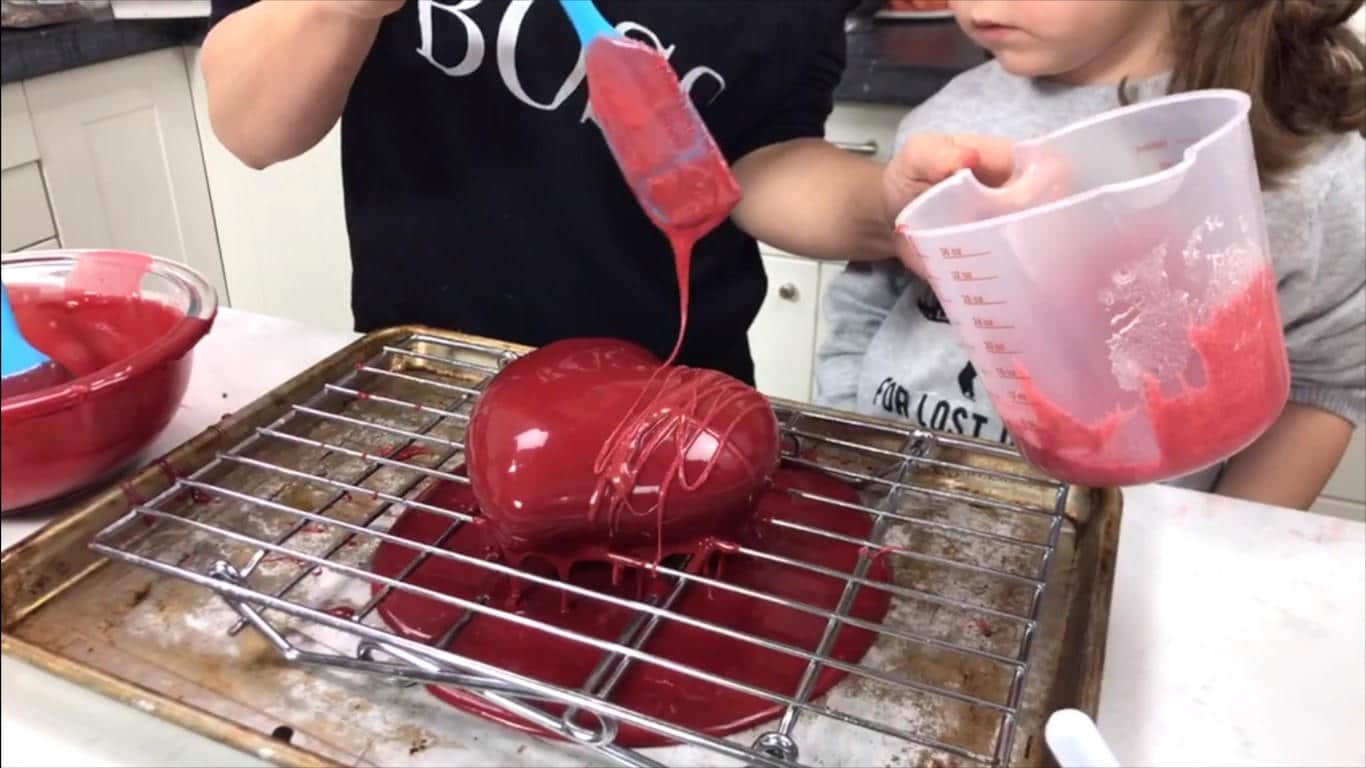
(1237, 632)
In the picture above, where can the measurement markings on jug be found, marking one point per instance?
(959, 253)
(977, 300)
(999, 348)
(987, 324)
(965, 276)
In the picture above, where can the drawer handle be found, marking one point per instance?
(864, 148)
(787, 292)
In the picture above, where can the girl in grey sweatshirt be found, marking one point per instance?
(890, 351)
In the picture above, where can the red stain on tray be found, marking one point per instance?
(407, 452)
(198, 496)
(646, 688)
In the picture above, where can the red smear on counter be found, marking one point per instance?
(1246, 382)
(278, 558)
(880, 552)
(587, 447)
(131, 495)
(651, 690)
(63, 436)
(167, 470)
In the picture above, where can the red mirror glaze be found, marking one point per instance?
(588, 445)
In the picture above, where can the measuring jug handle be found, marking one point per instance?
(1040, 177)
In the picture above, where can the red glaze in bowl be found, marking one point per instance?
(124, 324)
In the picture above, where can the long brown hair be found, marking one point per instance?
(1303, 66)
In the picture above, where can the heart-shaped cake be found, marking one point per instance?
(589, 447)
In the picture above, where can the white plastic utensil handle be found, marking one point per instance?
(1075, 742)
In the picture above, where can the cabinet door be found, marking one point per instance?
(828, 270)
(783, 335)
(864, 129)
(120, 152)
(24, 215)
(1345, 494)
(17, 145)
(282, 231)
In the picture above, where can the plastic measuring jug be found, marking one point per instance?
(1116, 296)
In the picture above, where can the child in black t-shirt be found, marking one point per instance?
(481, 197)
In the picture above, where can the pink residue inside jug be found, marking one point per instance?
(1247, 379)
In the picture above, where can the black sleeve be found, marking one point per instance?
(221, 8)
(802, 112)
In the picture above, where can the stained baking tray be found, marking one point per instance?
(205, 589)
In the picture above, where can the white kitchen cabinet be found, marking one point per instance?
(793, 311)
(783, 336)
(864, 129)
(1350, 480)
(25, 217)
(119, 152)
(44, 245)
(1335, 507)
(281, 231)
(23, 208)
(160, 9)
(17, 143)
(1345, 494)
(787, 332)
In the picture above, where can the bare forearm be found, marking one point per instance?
(1289, 464)
(277, 75)
(811, 198)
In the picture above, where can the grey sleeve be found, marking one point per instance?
(858, 301)
(1326, 341)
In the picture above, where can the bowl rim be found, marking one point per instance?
(1240, 104)
(172, 344)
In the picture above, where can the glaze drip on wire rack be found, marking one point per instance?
(284, 526)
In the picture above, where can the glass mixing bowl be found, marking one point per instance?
(124, 324)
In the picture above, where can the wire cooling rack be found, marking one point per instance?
(284, 524)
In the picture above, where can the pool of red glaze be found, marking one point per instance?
(131, 357)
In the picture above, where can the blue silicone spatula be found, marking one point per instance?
(588, 21)
(658, 139)
(24, 368)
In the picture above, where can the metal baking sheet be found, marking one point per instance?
(163, 644)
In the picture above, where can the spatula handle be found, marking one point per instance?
(16, 354)
(587, 20)
(1075, 742)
